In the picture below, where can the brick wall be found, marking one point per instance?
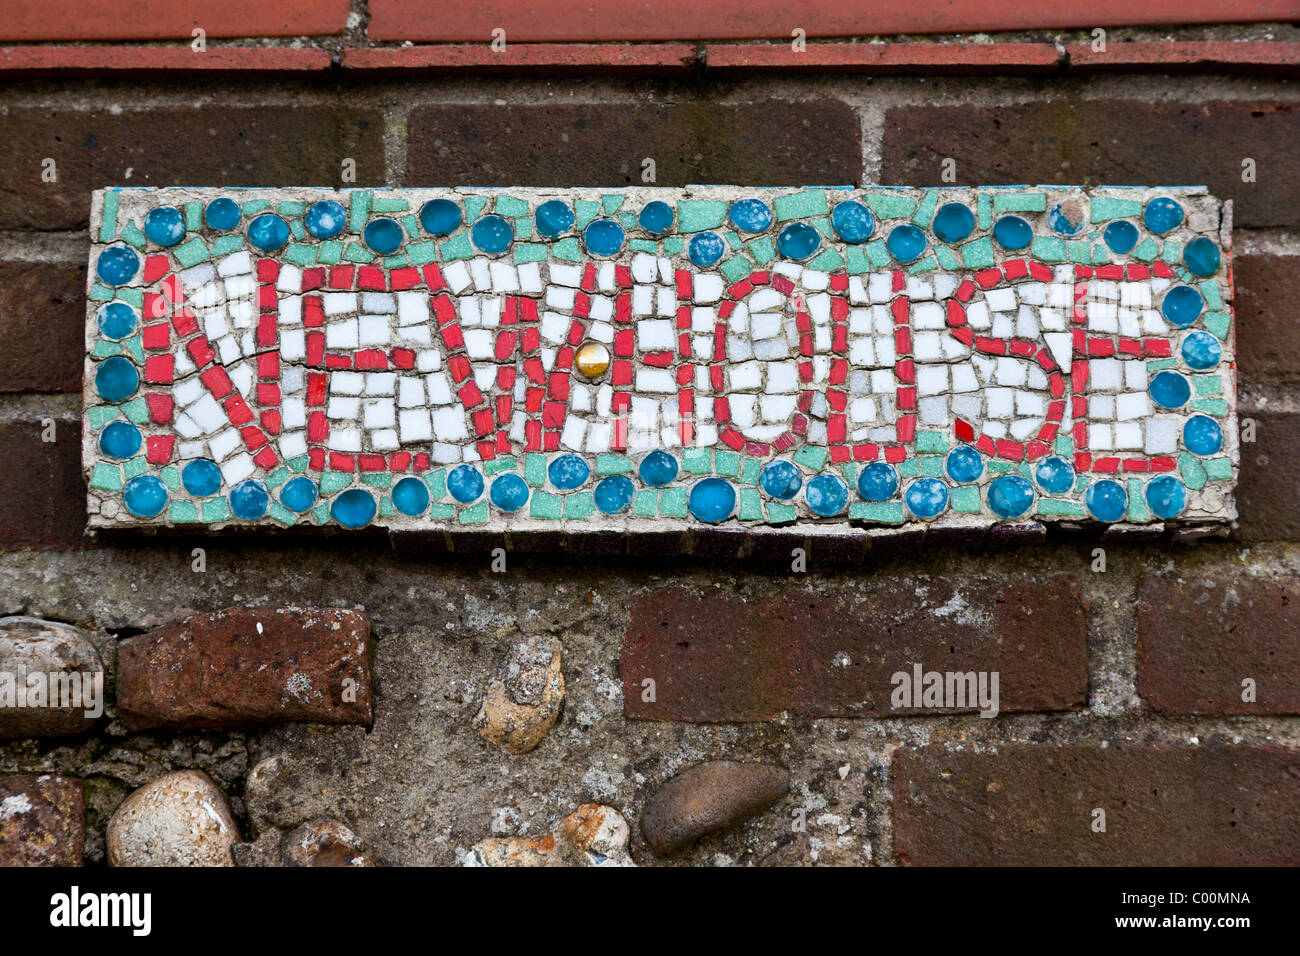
(1121, 688)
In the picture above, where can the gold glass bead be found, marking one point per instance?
(592, 359)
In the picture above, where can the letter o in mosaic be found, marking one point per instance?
(144, 496)
(553, 218)
(853, 221)
(1121, 236)
(568, 472)
(1010, 496)
(905, 243)
(780, 479)
(325, 219)
(613, 495)
(509, 492)
(656, 218)
(826, 495)
(798, 241)
(1170, 390)
(222, 214)
(299, 494)
(1012, 232)
(1202, 435)
(492, 234)
(411, 496)
(116, 320)
(1055, 475)
(964, 463)
(1166, 496)
(1201, 256)
(603, 237)
(354, 508)
(712, 500)
(1106, 500)
(384, 235)
(1059, 221)
(117, 265)
(706, 248)
(268, 232)
(202, 477)
(1182, 306)
(1162, 214)
(249, 499)
(119, 440)
(878, 482)
(658, 468)
(1201, 350)
(750, 215)
(116, 379)
(164, 226)
(465, 484)
(953, 222)
(926, 497)
(440, 217)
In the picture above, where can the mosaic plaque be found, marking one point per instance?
(635, 359)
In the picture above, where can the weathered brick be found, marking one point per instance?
(1267, 507)
(831, 651)
(1201, 634)
(42, 491)
(216, 146)
(164, 20)
(1106, 142)
(247, 667)
(42, 322)
(691, 141)
(1025, 805)
(1268, 333)
(42, 821)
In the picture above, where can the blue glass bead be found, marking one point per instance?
(1010, 496)
(1121, 235)
(355, 508)
(384, 235)
(780, 479)
(712, 500)
(1106, 500)
(1201, 256)
(268, 232)
(964, 463)
(853, 221)
(1202, 435)
(144, 496)
(1166, 496)
(826, 495)
(603, 237)
(465, 483)
(1012, 232)
(164, 226)
(411, 496)
(1182, 305)
(553, 218)
(798, 240)
(1059, 221)
(119, 440)
(116, 379)
(325, 218)
(1170, 390)
(568, 472)
(299, 494)
(117, 265)
(750, 215)
(953, 222)
(613, 495)
(440, 217)
(116, 320)
(1201, 350)
(706, 248)
(492, 234)
(1055, 475)
(657, 217)
(658, 468)
(201, 477)
(878, 482)
(926, 497)
(905, 243)
(1162, 214)
(249, 499)
(222, 214)
(509, 492)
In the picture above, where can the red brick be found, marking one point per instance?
(42, 326)
(719, 656)
(641, 58)
(1200, 633)
(1107, 142)
(1268, 508)
(248, 667)
(167, 20)
(1023, 805)
(885, 58)
(1258, 57)
(136, 59)
(1268, 334)
(42, 492)
(44, 823)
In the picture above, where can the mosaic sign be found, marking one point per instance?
(517, 358)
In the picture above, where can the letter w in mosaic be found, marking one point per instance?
(518, 358)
